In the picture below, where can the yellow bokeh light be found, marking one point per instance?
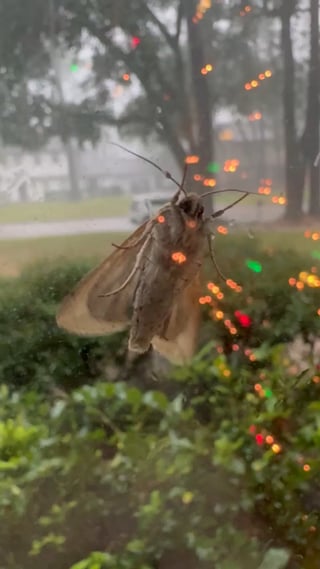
(276, 448)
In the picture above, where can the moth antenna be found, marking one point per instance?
(185, 169)
(213, 259)
(154, 164)
(229, 190)
(131, 275)
(222, 211)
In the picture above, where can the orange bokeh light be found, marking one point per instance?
(192, 159)
(178, 257)
(161, 219)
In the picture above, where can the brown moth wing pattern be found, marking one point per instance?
(181, 334)
(85, 312)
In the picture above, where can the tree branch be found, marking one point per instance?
(179, 20)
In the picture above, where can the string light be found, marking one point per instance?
(269, 439)
(222, 229)
(206, 69)
(209, 182)
(205, 299)
(254, 266)
(254, 83)
(213, 167)
(231, 165)
(192, 159)
(178, 257)
(135, 41)
(243, 319)
(256, 116)
(201, 9)
(259, 439)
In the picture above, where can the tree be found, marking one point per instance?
(301, 151)
(311, 137)
(181, 64)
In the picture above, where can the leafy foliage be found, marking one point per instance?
(218, 470)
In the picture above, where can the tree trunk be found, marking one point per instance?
(295, 163)
(55, 54)
(201, 95)
(311, 138)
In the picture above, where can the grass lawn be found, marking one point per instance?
(16, 255)
(111, 206)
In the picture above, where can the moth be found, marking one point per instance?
(151, 282)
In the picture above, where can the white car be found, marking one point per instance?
(143, 206)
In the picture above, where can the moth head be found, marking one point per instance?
(192, 206)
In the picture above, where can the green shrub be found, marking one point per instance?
(33, 351)
(218, 471)
(144, 479)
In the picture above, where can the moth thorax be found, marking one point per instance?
(192, 206)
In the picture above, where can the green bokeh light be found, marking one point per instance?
(254, 266)
(268, 393)
(315, 254)
(213, 167)
(74, 67)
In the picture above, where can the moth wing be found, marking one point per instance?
(84, 312)
(180, 338)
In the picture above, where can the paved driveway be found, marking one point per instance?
(240, 214)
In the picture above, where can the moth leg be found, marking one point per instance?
(213, 259)
(163, 329)
(136, 243)
(131, 275)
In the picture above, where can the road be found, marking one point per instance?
(240, 215)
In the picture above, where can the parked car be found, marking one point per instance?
(143, 206)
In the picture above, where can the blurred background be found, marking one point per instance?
(228, 86)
